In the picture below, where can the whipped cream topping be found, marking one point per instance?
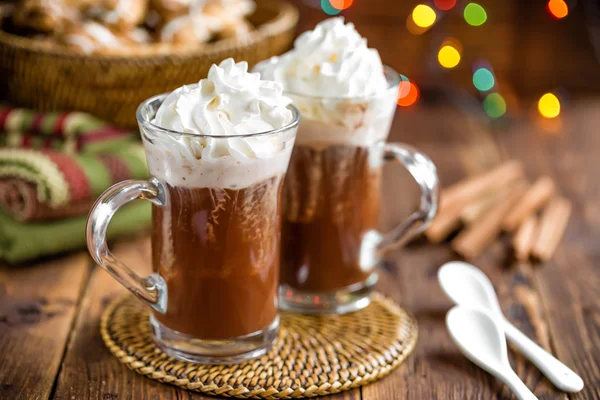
(229, 103)
(339, 122)
(339, 86)
(332, 60)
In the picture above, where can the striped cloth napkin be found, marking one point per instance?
(53, 166)
(70, 132)
(49, 184)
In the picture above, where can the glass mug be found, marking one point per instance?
(216, 227)
(332, 200)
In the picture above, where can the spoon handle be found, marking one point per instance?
(558, 373)
(517, 386)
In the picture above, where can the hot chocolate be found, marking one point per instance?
(332, 190)
(331, 199)
(218, 252)
(217, 152)
(346, 96)
(216, 237)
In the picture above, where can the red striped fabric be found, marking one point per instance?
(4, 116)
(59, 125)
(79, 186)
(37, 123)
(48, 142)
(117, 168)
(103, 133)
(26, 142)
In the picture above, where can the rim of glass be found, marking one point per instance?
(391, 75)
(150, 125)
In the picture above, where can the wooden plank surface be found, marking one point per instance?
(569, 284)
(50, 346)
(437, 369)
(556, 303)
(559, 313)
(37, 307)
(89, 370)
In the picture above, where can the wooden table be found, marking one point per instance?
(50, 346)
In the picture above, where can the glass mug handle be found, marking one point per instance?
(424, 172)
(151, 290)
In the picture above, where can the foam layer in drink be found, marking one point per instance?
(214, 133)
(350, 122)
(178, 164)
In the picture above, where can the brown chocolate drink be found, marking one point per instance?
(331, 201)
(218, 251)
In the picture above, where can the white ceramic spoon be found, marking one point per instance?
(468, 286)
(481, 339)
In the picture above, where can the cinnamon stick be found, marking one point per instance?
(472, 212)
(455, 198)
(537, 195)
(474, 239)
(552, 226)
(470, 188)
(447, 221)
(524, 238)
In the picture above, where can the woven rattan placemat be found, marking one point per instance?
(313, 355)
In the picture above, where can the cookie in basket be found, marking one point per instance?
(121, 15)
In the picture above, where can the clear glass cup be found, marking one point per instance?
(216, 228)
(332, 191)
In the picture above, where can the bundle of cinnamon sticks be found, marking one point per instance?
(501, 200)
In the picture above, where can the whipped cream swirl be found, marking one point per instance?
(229, 102)
(222, 110)
(332, 60)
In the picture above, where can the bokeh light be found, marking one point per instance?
(444, 5)
(448, 56)
(549, 106)
(408, 92)
(328, 8)
(341, 4)
(557, 8)
(511, 98)
(424, 16)
(474, 14)
(483, 79)
(413, 28)
(403, 88)
(494, 105)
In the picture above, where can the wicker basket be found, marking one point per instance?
(111, 87)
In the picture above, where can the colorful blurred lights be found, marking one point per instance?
(403, 87)
(408, 92)
(494, 105)
(483, 79)
(444, 5)
(329, 9)
(448, 56)
(423, 16)
(557, 8)
(474, 14)
(341, 4)
(549, 106)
